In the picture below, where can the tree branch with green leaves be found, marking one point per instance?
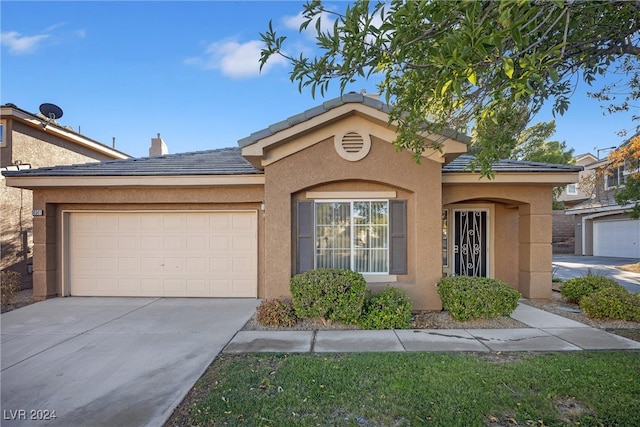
(454, 64)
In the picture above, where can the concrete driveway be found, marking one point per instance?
(110, 361)
(570, 266)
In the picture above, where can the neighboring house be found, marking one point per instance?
(325, 188)
(25, 144)
(602, 227)
(564, 228)
(573, 194)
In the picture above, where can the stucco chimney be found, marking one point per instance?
(158, 147)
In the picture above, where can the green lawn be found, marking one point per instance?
(387, 389)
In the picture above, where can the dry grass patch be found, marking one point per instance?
(634, 268)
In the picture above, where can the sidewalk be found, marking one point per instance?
(546, 332)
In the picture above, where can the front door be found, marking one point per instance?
(470, 243)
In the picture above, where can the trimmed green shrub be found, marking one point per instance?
(276, 312)
(9, 286)
(612, 303)
(573, 290)
(466, 297)
(330, 294)
(390, 309)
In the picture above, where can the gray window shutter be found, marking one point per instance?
(398, 236)
(305, 251)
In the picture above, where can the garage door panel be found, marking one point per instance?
(105, 223)
(619, 238)
(152, 222)
(151, 286)
(87, 242)
(241, 265)
(218, 265)
(128, 266)
(196, 243)
(173, 242)
(173, 266)
(150, 242)
(128, 223)
(126, 243)
(101, 242)
(105, 265)
(199, 254)
(240, 222)
(197, 287)
(240, 286)
(219, 243)
(197, 222)
(174, 287)
(86, 265)
(219, 223)
(105, 286)
(174, 222)
(85, 223)
(241, 243)
(87, 285)
(197, 266)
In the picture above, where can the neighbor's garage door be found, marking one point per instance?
(184, 254)
(617, 238)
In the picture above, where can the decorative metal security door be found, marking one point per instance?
(470, 243)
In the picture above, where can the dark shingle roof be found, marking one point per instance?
(347, 98)
(224, 161)
(461, 163)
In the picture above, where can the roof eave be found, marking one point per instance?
(549, 178)
(33, 121)
(34, 182)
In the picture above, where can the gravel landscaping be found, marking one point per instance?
(442, 320)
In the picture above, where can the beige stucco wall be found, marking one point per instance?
(320, 168)
(29, 145)
(522, 235)
(48, 229)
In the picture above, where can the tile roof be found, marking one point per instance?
(600, 201)
(461, 163)
(229, 161)
(347, 98)
(224, 161)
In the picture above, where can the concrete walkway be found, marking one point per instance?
(545, 332)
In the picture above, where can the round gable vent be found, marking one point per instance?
(352, 146)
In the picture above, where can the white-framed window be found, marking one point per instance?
(572, 189)
(3, 135)
(352, 234)
(615, 178)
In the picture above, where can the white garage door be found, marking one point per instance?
(617, 238)
(181, 254)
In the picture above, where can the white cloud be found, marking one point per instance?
(19, 44)
(294, 22)
(234, 59)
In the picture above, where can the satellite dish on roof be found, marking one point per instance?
(51, 112)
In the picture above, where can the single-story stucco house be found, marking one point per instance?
(324, 188)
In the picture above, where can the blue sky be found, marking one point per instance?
(186, 70)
